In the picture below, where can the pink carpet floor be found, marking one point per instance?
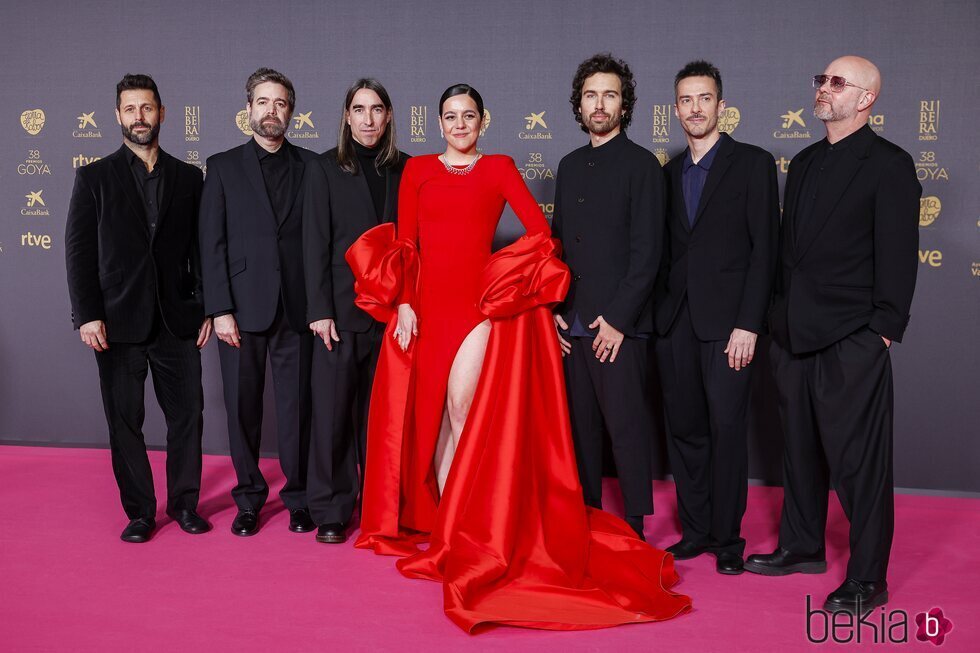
(67, 583)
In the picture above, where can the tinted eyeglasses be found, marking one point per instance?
(837, 83)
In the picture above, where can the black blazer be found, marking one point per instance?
(117, 271)
(337, 210)
(609, 216)
(724, 264)
(855, 262)
(249, 258)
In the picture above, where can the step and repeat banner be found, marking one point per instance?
(61, 61)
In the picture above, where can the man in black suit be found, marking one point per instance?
(722, 219)
(348, 190)
(134, 283)
(252, 255)
(844, 283)
(609, 216)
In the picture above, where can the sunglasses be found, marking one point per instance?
(837, 83)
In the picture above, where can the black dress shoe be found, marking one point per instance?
(729, 564)
(685, 550)
(300, 521)
(332, 534)
(138, 530)
(190, 522)
(636, 523)
(246, 523)
(782, 563)
(857, 596)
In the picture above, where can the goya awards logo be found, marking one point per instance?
(661, 123)
(32, 121)
(929, 209)
(194, 158)
(33, 164)
(877, 122)
(192, 123)
(661, 155)
(419, 116)
(35, 204)
(929, 120)
(303, 126)
(792, 125)
(486, 122)
(729, 119)
(927, 169)
(241, 121)
(86, 126)
(535, 128)
(535, 168)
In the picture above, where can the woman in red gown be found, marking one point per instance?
(471, 375)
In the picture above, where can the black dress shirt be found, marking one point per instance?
(366, 158)
(149, 185)
(825, 158)
(693, 178)
(275, 174)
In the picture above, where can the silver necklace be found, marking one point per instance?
(459, 171)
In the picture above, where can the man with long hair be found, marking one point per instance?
(348, 190)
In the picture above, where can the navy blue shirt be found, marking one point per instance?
(693, 178)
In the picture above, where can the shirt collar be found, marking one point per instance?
(136, 162)
(707, 159)
(262, 153)
(610, 147)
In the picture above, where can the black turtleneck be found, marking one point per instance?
(376, 181)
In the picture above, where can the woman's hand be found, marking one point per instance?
(408, 326)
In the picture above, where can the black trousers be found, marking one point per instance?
(705, 403)
(612, 398)
(176, 368)
(341, 388)
(836, 407)
(243, 377)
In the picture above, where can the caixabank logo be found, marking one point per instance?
(34, 206)
(535, 128)
(32, 120)
(303, 127)
(792, 125)
(86, 127)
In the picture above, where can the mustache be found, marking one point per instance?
(139, 123)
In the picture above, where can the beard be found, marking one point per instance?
(602, 128)
(268, 127)
(144, 138)
(827, 113)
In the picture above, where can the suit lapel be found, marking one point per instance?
(723, 160)
(120, 166)
(793, 181)
(679, 209)
(364, 194)
(253, 172)
(838, 179)
(169, 185)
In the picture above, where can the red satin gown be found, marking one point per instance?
(511, 538)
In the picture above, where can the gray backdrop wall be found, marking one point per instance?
(61, 61)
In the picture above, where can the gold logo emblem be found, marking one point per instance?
(929, 210)
(301, 119)
(535, 119)
(192, 123)
(729, 119)
(661, 123)
(791, 118)
(661, 155)
(241, 121)
(419, 115)
(34, 197)
(32, 121)
(486, 122)
(87, 119)
(929, 120)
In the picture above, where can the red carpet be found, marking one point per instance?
(69, 584)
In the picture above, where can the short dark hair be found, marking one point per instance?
(263, 75)
(388, 154)
(131, 82)
(604, 62)
(462, 89)
(699, 68)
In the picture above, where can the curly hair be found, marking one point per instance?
(604, 62)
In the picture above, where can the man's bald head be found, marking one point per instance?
(853, 102)
(857, 70)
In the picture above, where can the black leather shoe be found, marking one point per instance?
(190, 522)
(331, 534)
(300, 521)
(729, 564)
(857, 596)
(782, 563)
(246, 523)
(138, 530)
(685, 550)
(636, 523)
